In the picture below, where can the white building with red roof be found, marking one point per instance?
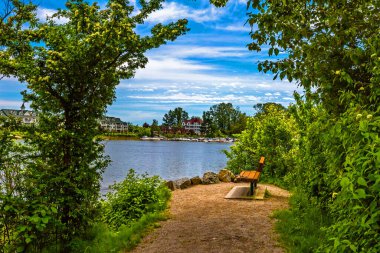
(193, 125)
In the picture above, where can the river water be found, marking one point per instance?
(167, 159)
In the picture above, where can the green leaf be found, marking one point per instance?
(353, 248)
(22, 228)
(361, 181)
(361, 193)
(336, 243)
(45, 220)
(344, 182)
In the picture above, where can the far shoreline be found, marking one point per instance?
(155, 139)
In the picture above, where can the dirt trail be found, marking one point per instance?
(203, 221)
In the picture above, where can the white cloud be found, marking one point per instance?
(235, 28)
(198, 98)
(183, 51)
(174, 74)
(143, 89)
(10, 104)
(174, 70)
(44, 13)
(242, 2)
(6, 78)
(175, 64)
(173, 11)
(136, 115)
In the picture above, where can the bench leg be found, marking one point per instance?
(252, 188)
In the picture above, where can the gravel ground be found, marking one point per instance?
(201, 220)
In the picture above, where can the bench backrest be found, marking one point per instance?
(261, 164)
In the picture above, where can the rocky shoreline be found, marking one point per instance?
(209, 177)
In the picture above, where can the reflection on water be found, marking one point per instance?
(168, 159)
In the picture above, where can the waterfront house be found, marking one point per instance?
(26, 117)
(113, 124)
(193, 125)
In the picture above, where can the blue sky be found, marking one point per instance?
(209, 65)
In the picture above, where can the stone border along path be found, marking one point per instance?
(201, 220)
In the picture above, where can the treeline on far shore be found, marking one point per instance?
(221, 120)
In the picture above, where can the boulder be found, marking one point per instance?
(196, 180)
(210, 178)
(182, 183)
(170, 184)
(226, 175)
(237, 180)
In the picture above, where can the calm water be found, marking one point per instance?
(168, 159)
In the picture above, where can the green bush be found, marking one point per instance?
(130, 210)
(355, 183)
(100, 238)
(272, 134)
(300, 227)
(134, 197)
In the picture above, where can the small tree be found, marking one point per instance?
(331, 49)
(154, 128)
(223, 118)
(71, 75)
(175, 118)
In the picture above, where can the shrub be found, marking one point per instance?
(300, 226)
(130, 199)
(273, 134)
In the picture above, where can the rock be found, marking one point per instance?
(237, 180)
(196, 180)
(226, 175)
(210, 178)
(170, 184)
(182, 183)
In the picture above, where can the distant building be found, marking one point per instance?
(112, 124)
(25, 116)
(193, 125)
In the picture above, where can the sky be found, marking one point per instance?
(209, 65)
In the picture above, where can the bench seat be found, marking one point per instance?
(252, 176)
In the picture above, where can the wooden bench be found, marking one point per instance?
(252, 176)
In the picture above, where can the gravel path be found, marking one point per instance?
(203, 221)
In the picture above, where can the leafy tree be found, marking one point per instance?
(273, 135)
(265, 108)
(175, 118)
(332, 50)
(71, 71)
(135, 196)
(154, 128)
(15, 41)
(208, 127)
(225, 118)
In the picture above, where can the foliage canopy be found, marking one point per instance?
(332, 50)
(71, 69)
(223, 119)
(175, 118)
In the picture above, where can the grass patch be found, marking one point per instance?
(300, 226)
(102, 239)
(267, 194)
